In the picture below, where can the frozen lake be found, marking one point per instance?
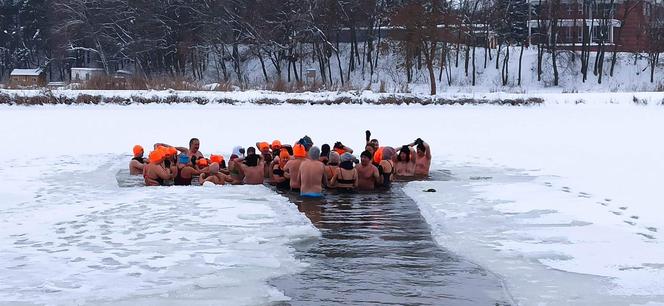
(562, 202)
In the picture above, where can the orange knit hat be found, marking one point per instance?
(299, 151)
(138, 150)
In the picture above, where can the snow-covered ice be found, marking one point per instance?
(71, 235)
(562, 200)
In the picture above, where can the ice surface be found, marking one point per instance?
(581, 224)
(550, 246)
(71, 235)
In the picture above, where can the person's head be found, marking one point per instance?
(369, 147)
(365, 158)
(171, 153)
(325, 150)
(183, 159)
(284, 157)
(264, 147)
(404, 154)
(251, 160)
(339, 148)
(421, 150)
(306, 142)
(238, 151)
(299, 151)
(201, 163)
(389, 153)
(216, 159)
(213, 168)
(374, 143)
(347, 157)
(194, 145)
(251, 150)
(288, 148)
(138, 151)
(156, 157)
(275, 146)
(314, 153)
(334, 159)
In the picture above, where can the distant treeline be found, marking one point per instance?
(178, 38)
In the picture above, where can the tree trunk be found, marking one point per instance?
(520, 61)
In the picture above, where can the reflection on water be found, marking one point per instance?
(377, 249)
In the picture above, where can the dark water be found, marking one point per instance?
(377, 249)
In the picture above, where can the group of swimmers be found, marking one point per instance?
(302, 168)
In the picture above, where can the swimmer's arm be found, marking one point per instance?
(427, 149)
(136, 164)
(376, 176)
(357, 181)
(333, 180)
(324, 178)
(287, 171)
(163, 173)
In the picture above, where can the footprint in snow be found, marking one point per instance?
(647, 236)
(566, 189)
(617, 213)
(584, 195)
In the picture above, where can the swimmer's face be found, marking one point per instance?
(365, 160)
(420, 152)
(195, 145)
(369, 148)
(403, 155)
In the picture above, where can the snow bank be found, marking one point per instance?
(261, 97)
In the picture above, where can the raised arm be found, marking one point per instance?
(428, 149)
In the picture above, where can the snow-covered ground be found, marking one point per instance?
(562, 200)
(70, 236)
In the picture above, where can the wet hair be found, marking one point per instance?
(289, 149)
(421, 147)
(404, 149)
(325, 150)
(191, 141)
(251, 160)
(366, 154)
(222, 165)
(251, 150)
(314, 153)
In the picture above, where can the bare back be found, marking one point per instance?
(155, 175)
(292, 167)
(136, 167)
(254, 175)
(311, 176)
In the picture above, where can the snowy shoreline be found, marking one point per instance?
(261, 97)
